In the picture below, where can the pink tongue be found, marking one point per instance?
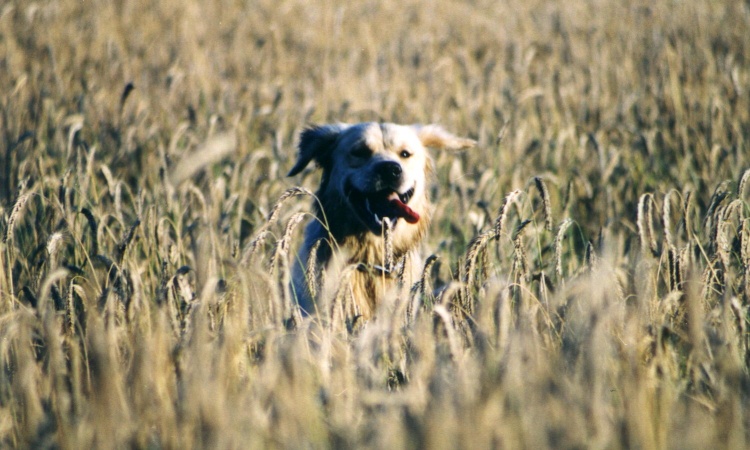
(404, 211)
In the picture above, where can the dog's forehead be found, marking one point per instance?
(398, 136)
(380, 136)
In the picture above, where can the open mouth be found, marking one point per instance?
(375, 207)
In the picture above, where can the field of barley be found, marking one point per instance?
(587, 276)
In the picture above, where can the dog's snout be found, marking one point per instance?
(390, 171)
(394, 170)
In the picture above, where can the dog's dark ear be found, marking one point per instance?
(435, 136)
(315, 143)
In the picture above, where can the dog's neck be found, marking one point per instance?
(373, 275)
(363, 248)
(361, 245)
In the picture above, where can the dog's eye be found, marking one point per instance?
(360, 152)
(404, 154)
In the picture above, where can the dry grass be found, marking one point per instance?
(590, 278)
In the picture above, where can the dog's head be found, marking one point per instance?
(375, 170)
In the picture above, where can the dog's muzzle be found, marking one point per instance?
(372, 208)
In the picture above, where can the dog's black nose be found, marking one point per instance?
(390, 171)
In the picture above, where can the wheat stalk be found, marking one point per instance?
(273, 217)
(70, 309)
(502, 217)
(544, 192)
(93, 231)
(667, 218)
(720, 193)
(54, 243)
(686, 261)
(283, 245)
(343, 305)
(673, 261)
(286, 195)
(401, 267)
(723, 247)
(740, 314)
(558, 245)
(520, 260)
(15, 214)
(253, 247)
(653, 246)
(743, 183)
(388, 245)
(714, 224)
(312, 268)
(686, 207)
(282, 250)
(442, 312)
(645, 223)
(745, 242)
(476, 247)
(48, 285)
(422, 286)
(126, 240)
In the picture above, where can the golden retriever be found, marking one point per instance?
(373, 173)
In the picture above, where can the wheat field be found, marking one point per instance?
(587, 276)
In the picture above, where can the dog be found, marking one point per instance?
(374, 175)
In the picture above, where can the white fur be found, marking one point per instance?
(353, 158)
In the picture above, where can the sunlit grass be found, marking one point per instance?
(589, 261)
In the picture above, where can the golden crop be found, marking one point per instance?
(588, 276)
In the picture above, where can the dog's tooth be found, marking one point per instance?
(406, 196)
